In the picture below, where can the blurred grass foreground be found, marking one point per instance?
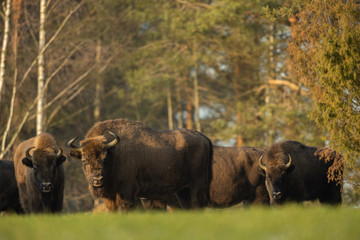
(288, 222)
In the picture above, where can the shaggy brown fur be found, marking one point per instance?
(44, 169)
(236, 177)
(145, 163)
(9, 194)
(305, 179)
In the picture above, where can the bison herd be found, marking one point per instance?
(124, 161)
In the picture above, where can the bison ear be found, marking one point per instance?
(27, 162)
(75, 154)
(60, 160)
(290, 169)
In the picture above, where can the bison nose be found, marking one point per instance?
(276, 195)
(97, 181)
(46, 187)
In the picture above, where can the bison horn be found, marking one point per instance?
(263, 167)
(289, 163)
(27, 153)
(113, 142)
(59, 153)
(72, 145)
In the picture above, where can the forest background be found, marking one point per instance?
(242, 72)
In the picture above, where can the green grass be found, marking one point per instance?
(288, 222)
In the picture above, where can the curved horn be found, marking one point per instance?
(27, 153)
(59, 153)
(72, 145)
(289, 163)
(263, 167)
(113, 142)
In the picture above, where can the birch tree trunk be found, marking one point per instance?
(98, 86)
(16, 13)
(4, 44)
(41, 70)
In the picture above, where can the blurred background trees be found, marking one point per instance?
(221, 67)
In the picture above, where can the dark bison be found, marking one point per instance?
(9, 194)
(236, 177)
(40, 174)
(124, 160)
(295, 172)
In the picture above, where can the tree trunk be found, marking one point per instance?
(4, 44)
(41, 70)
(238, 115)
(196, 101)
(271, 74)
(169, 107)
(189, 113)
(99, 85)
(196, 91)
(179, 106)
(16, 7)
(239, 137)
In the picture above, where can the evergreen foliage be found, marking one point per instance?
(325, 52)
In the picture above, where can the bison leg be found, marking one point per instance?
(332, 194)
(110, 204)
(124, 203)
(125, 198)
(199, 193)
(24, 200)
(199, 198)
(183, 198)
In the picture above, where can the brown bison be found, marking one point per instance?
(295, 172)
(124, 160)
(9, 194)
(236, 177)
(40, 174)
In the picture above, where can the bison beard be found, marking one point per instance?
(97, 191)
(46, 199)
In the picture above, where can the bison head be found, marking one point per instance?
(44, 162)
(276, 172)
(94, 152)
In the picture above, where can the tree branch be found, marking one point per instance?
(290, 85)
(67, 100)
(78, 80)
(11, 114)
(50, 42)
(194, 5)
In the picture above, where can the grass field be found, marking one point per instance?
(288, 222)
